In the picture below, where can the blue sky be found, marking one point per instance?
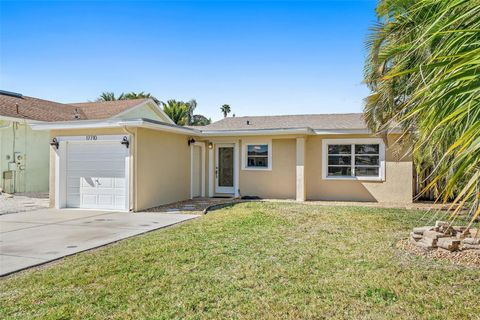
(260, 57)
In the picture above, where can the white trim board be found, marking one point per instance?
(202, 166)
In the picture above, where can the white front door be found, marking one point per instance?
(97, 175)
(224, 168)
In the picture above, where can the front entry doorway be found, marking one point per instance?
(224, 168)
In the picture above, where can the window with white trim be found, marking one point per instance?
(257, 155)
(361, 159)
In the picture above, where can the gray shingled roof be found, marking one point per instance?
(313, 121)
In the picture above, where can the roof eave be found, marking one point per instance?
(103, 124)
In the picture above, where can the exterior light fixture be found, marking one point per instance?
(190, 141)
(54, 143)
(125, 142)
(210, 145)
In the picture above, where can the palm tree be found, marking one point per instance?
(110, 96)
(177, 111)
(200, 120)
(140, 95)
(423, 73)
(225, 109)
(107, 96)
(191, 105)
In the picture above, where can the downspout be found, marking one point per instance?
(133, 170)
(5, 126)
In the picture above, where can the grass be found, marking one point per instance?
(253, 260)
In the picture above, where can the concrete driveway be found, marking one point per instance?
(36, 237)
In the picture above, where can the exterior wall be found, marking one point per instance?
(397, 186)
(278, 183)
(147, 111)
(162, 168)
(77, 132)
(31, 173)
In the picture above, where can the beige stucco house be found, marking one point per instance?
(135, 164)
(25, 154)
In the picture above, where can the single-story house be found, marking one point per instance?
(135, 164)
(25, 154)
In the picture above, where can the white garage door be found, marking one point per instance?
(96, 175)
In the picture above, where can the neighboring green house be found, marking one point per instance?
(24, 154)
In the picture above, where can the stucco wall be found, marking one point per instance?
(32, 173)
(397, 186)
(278, 183)
(163, 168)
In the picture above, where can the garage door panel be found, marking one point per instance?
(94, 166)
(96, 175)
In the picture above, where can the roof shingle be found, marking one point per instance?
(24, 107)
(106, 109)
(37, 109)
(313, 121)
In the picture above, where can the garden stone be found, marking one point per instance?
(450, 244)
(467, 246)
(432, 234)
(421, 230)
(473, 241)
(415, 237)
(429, 242)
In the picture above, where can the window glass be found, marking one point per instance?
(339, 149)
(258, 150)
(339, 160)
(257, 156)
(367, 149)
(366, 171)
(365, 162)
(339, 171)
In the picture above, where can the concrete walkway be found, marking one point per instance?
(36, 237)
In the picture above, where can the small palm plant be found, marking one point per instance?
(225, 110)
(177, 111)
(423, 72)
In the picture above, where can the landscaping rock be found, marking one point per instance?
(473, 241)
(416, 237)
(432, 234)
(467, 246)
(474, 233)
(428, 242)
(450, 244)
(421, 230)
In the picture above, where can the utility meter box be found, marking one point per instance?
(12, 166)
(7, 175)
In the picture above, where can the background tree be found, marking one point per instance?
(191, 106)
(110, 96)
(225, 110)
(107, 96)
(200, 120)
(177, 111)
(423, 72)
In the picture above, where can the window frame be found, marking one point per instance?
(245, 145)
(353, 142)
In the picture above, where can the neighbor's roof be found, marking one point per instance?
(19, 106)
(15, 105)
(313, 121)
(107, 109)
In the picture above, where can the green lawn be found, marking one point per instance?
(254, 260)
